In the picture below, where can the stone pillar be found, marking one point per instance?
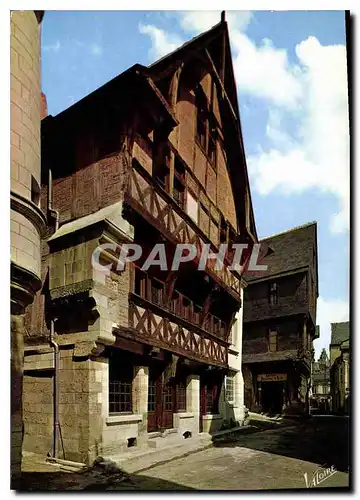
(193, 398)
(17, 363)
(239, 407)
(140, 400)
(27, 221)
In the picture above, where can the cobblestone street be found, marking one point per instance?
(287, 457)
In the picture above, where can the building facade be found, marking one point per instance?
(280, 324)
(27, 220)
(340, 367)
(320, 400)
(118, 354)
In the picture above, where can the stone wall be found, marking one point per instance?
(25, 134)
(26, 219)
(38, 410)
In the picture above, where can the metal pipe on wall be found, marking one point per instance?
(53, 344)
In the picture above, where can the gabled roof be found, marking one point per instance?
(339, 332)
(292, 250)
(170, 62)
(146, 78)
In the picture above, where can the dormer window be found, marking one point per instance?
(273, 294)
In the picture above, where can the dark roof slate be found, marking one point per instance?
(290, 250)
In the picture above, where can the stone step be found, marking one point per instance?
(142, 459)
(166, 440)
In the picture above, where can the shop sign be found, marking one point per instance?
(271, 377)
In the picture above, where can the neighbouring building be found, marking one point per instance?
(340, 367)
(320, 386)
(27, 220)
(280, 324)
(153, 156)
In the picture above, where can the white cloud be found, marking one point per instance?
(162, 42)
(329, 311)
(312, 93)
(319, 156)
(193, 22)
(198, 21)
(96, 49)
(53, 47)
(264, 71)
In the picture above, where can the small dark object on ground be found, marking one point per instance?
(187, 434)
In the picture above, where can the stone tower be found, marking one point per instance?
(27, 220)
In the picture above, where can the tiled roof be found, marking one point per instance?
(291, 250)
(339, 332)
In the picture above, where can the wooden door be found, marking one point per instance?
(161, 401)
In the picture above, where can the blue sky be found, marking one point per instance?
(290, 69)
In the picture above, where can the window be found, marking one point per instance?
(273, 294)
(181, 396)
(229, 388)
(151, 395)
(120, 385)
(273, 340)
(167, 395)
(192, 207)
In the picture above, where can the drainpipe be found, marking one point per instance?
(55, 346)
(56, 430)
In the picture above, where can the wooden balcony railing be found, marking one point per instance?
(153, 290)
(145, 196)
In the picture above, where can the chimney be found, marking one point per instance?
(43, 108)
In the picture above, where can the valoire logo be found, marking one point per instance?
(319, 476)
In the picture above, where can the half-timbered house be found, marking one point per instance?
(153, 156)
(280, 324)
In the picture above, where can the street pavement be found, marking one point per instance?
(282, 458)
(313, 453)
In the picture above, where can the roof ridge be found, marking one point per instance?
(186, 42)
(296, 228)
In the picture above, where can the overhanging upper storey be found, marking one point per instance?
(198, 82)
